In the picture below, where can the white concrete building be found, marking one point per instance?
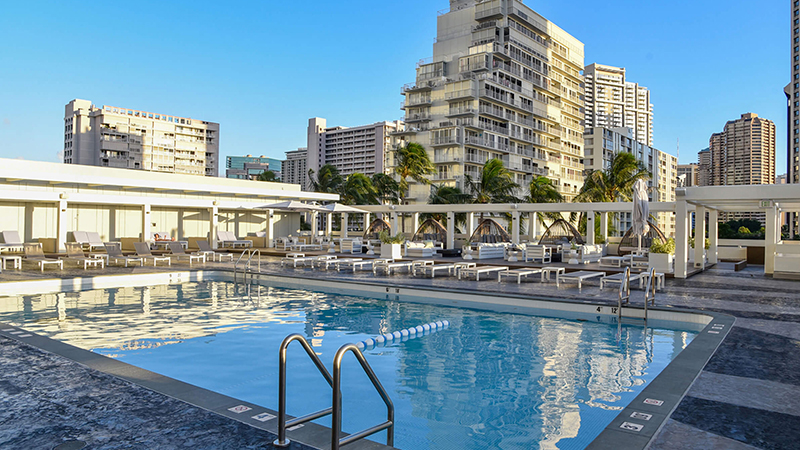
(612, 101)
(124, 138)
(350, 149)
(46, 201)
(504, 83)
(294, 168)
(601, 144)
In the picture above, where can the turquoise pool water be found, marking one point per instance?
(490, 380)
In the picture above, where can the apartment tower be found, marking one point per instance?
(792, 91)
(504, 83)
(612, 101)
(294, 169)
(350, 149)
(601, 144)
(124, 138)
(688, 175)
(704, 167)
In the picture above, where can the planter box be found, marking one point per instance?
(394, 251)
(662, 262)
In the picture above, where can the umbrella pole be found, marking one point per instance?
(640, 244)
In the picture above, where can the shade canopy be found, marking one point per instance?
(430, 230)
(375, 229)
(561, 232)
(630, 241)
(340, 208)
(293, 206)
(490, 232)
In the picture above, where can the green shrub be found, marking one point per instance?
(659, 246)
(387, 238)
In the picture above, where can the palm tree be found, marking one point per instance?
(446, 195)
(327, 180)
(357, 189)
(615, 183)
(541, 190)
(268, 175)
(388, 189)
(412, 161)
(495, 184)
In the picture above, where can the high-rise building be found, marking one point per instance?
(688, 175)
(130, 139)
(612, 101)
(601, 144)
(792, 91)
(294, 168)
(350, 149)
(503, 83)
(704, 167)
(249, 167)
(744, 152)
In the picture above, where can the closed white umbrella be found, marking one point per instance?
(641, 211)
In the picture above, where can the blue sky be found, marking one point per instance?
(262, 68)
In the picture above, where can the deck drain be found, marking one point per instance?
(70, 445)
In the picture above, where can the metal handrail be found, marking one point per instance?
(624, 291)
(282, 423)
(336, 419)
(251, 252)
(650, 291)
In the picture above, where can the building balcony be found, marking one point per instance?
(459, 95)
(418, 87)
(446, 141)
(486, 143)
(415, 101)
(419, 117)
(495, 112)
(456, 112)
(488, 14)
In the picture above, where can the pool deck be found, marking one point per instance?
(746, 397)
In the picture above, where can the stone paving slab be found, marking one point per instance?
(748, 392)
(676, 435)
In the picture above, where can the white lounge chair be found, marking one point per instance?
(75, 254)
(34, 253)
(478, 270)
(143, 251)
(536, 253)
(425, 270)
(619, 278)
(228, 239)
(579, 276)
(177, 251)
(519, 273)
(115, 255)
(11, 242)
(94, 240)
(393, 266)
(205, 249)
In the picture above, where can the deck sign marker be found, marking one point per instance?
(263, 417)
(639, 415)
(654, 402)
(631, 426)
(239, 409)
(295, 427)
(8, 330)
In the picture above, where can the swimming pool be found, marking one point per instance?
(490, 380)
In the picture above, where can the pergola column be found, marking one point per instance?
(699, 236)
(62, 225)
(270, 229)
(414, 222)
(451, 227)
(146, 222)
(681, 238)
(470, 224)
(533, 226)
(394, 223)
(771, 240)
(328, 224)
(515, 227)
(366, 221)
(590, 227)
(212, 226)
(314, 226)
(713, 236)
(604, 226)
(344, 224)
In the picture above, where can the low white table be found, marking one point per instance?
(579, 276)
(612, 261)
(16, 259)
(618, 278)
(547, 271)
(477, 271)
(519, 273)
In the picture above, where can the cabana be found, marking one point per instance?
(630, 242)
(375, 229)
(561, 232)
(430, 230)
(490, 232)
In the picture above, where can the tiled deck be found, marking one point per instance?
(745, 397)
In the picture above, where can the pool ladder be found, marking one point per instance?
(335, 383)
(625, 291)
(247, 266)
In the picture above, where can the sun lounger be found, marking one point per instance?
(579, 276)
(143, 251)
(519, 273)
(228, 239)
(618, 278)
(393, 266)
(425, 270)
(478, 270)
(34, 253)
(297, 260)
(115, 255)
(205, 249)
(94, 241)
(75, 254)
(177, 251)
(353, 264)
(11, 242)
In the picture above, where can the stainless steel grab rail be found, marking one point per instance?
(650, 291)
(251, 252)
(336, 420)
(624, 291)
(282, 423)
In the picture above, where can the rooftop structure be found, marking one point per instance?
(123, 138)
(249, 167)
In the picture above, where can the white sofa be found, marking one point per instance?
(488, 251)
(590, 253)
(536, 253)
(418, 250)
(350, 246)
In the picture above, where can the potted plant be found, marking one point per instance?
(390, 245)
(706, 245)
(573, 254)
(466, 250)
(662, 255)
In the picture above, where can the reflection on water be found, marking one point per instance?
(488, 381)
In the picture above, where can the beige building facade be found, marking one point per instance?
(612, 101)
(704, 167)
(503, 83)
(601, 144)
(359, 149)
(294, 168)
(744, 152)
(123, 138)
(688, 175)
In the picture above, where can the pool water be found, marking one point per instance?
(489, 380)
